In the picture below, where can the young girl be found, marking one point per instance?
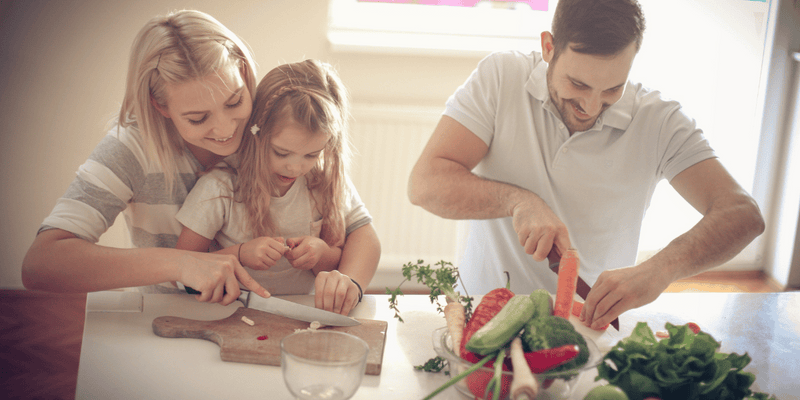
(285, 203)
(188, 98)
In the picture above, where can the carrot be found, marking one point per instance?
(454, 315)
(567, 282)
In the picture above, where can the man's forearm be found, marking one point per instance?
(448, 190)
(719, 236)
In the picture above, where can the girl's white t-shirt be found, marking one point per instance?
(210, 211)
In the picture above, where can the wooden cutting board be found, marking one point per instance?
(239, 342)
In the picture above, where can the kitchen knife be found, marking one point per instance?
(583, 289)
(288, 309)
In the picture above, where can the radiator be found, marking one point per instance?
(387, 140)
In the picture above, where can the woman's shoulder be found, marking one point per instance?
(127, 142)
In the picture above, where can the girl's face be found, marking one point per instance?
(210, 113)
(294, 150)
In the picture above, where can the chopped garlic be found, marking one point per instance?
(248, 321)
(311, 328)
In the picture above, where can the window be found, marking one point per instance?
(712, 65)
(420, 28)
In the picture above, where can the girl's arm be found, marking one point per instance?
(58, 261)
(334, 290)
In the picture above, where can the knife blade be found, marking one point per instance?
(288, 309)
(583, 290)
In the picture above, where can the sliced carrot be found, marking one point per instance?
(567, 282)
(577, 307)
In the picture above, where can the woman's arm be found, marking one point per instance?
(58, 261)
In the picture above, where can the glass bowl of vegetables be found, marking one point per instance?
(553, 384)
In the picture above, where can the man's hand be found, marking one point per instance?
(217, 277)
(305, 252)
(335, 292)
(262, 253)
(619, 290)
(539, 230)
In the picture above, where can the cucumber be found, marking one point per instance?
(543, 303)
(502, 327)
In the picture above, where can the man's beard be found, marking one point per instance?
(564, 107)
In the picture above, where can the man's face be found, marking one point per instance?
(582, 86)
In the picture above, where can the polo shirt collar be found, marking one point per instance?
(617, 116)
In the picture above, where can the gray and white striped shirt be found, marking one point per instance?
(119, 176)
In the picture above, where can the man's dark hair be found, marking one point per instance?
(597, 27)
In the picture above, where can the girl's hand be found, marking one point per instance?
(305, 252)
(217, 277)
(262, 253)
(335, 292)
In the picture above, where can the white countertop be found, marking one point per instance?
(121, 357)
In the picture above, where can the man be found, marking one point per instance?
(551, 151)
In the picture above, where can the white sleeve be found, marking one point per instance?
(356, 214)
(205, 208)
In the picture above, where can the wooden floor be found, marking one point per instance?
(40, 333)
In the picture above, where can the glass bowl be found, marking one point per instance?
(323, 364)
(553, 385)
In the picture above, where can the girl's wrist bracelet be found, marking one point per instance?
(239, 253)
(360, 291)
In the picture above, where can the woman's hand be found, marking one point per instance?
(262, 253)
(335, 292)
(217, 277)
(305, 251)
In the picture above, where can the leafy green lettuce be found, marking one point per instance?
(685, 366)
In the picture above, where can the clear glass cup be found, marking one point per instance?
(323, 364)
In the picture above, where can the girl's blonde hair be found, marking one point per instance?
(310, 94)
(179, 47)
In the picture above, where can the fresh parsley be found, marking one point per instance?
(441, 279)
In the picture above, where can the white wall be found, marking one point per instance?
(62, 69)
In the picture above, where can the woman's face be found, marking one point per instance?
(210, 113)
(294, 151)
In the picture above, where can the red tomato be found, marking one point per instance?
(477, 381)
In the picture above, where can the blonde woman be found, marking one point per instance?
(188, 97)
(285, 202)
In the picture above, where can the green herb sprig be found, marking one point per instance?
(440, 279)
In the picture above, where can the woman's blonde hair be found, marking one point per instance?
(181, 46)
(311, 94)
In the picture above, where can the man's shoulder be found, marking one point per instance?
(513, 59)
(511, 67)
(649, 99)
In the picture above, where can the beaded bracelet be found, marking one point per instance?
(360, 292)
